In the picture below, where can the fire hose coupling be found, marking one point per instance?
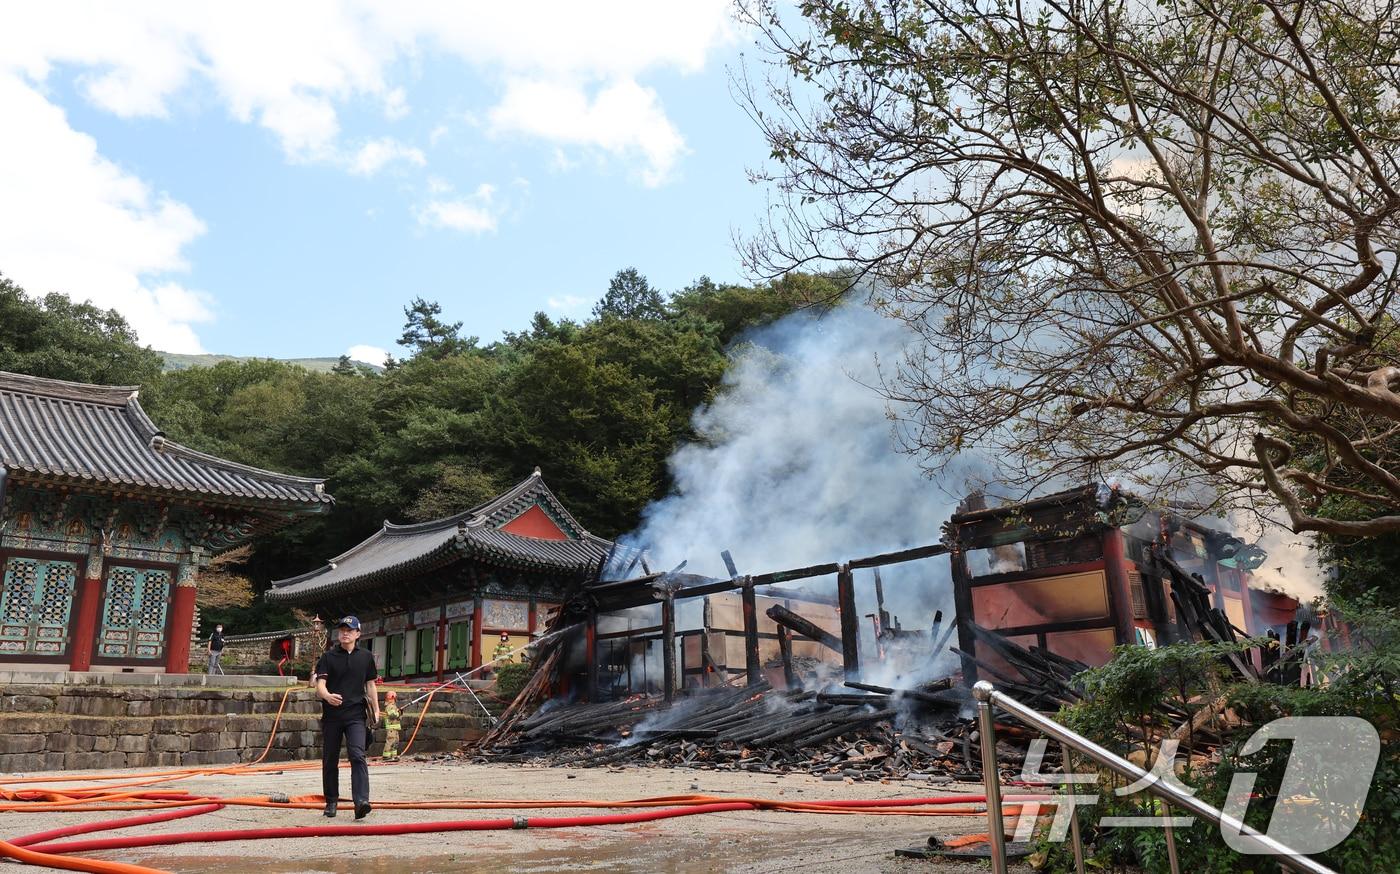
(520, 822)
(279, 798)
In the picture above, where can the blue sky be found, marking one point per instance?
(257, 179)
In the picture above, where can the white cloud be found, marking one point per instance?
(569, 303)
(438, 185)
(76, 223)
(374, 155)
(368, 354)
(474, 214)
(396, 104)
(288, 67)
(623, 119)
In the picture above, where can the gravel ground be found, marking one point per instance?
(750, 841)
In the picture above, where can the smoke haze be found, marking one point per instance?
(798, 464)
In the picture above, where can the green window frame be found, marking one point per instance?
(427, 650)
(459, 635)
(35, 606)
(395, 660)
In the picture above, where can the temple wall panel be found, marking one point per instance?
(90, 581)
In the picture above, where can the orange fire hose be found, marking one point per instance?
(662, 807)
(72, 863)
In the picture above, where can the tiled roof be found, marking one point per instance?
(79, 433)
(398, 552)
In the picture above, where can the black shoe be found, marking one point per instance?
(330, 809)
(362, 810)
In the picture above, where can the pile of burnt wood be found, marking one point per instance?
(863, 732)
(855, 731)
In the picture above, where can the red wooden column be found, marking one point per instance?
(442, 644)
(177, 650)
(1120, 593)
(87, 607)
(476, 633)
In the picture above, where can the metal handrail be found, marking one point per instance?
(987, 696)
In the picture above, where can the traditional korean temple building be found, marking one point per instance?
(1073, 573)
(105, 524)
(435, 597)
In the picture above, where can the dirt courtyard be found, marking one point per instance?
(753, 840)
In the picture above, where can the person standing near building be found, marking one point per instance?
(502, 653)
(216, 649)
(393, 722)
(345, 683)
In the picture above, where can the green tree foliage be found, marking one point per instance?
(630, 296)
(598, 406)
(426, 334)
(1137, 239)
(56, 338)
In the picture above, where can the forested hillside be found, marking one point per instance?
(598, 406)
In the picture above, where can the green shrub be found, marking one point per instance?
(510, 679)
(1125, 700)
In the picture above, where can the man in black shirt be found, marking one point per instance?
(345, 683)
(216, 649)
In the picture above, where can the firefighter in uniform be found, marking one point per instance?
(392, 724)
(501, 654)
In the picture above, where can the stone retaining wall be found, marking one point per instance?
(64, 727)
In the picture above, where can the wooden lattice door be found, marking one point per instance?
(35, 606)
(134, 613)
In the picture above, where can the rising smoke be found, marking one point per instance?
(798, 463)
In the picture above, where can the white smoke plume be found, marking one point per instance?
(798, 463)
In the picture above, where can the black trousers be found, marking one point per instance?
(355, 734)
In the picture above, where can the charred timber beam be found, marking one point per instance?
(928, 695)
(791, 621)
(668, 647)
(591, 655)
(902, 555)
(630, 632)
(751, 664)
(850, 622)
(800, 573)
(785, 649)
(848, 725)
(622, 594)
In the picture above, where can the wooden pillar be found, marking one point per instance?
(442, 645)
(177, 646)
(668, 646)
(850, 622)
(87, 609)
(476, 633)
(590, 655)
(751, 663)
(785, 647)
(1120, 594)
(962, 603)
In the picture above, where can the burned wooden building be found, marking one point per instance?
(105, 525)
(438, 596)
(1080, 571)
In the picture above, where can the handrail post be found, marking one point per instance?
(996, 827)
(987, 695)
(1077, 841)
(1171, 837)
